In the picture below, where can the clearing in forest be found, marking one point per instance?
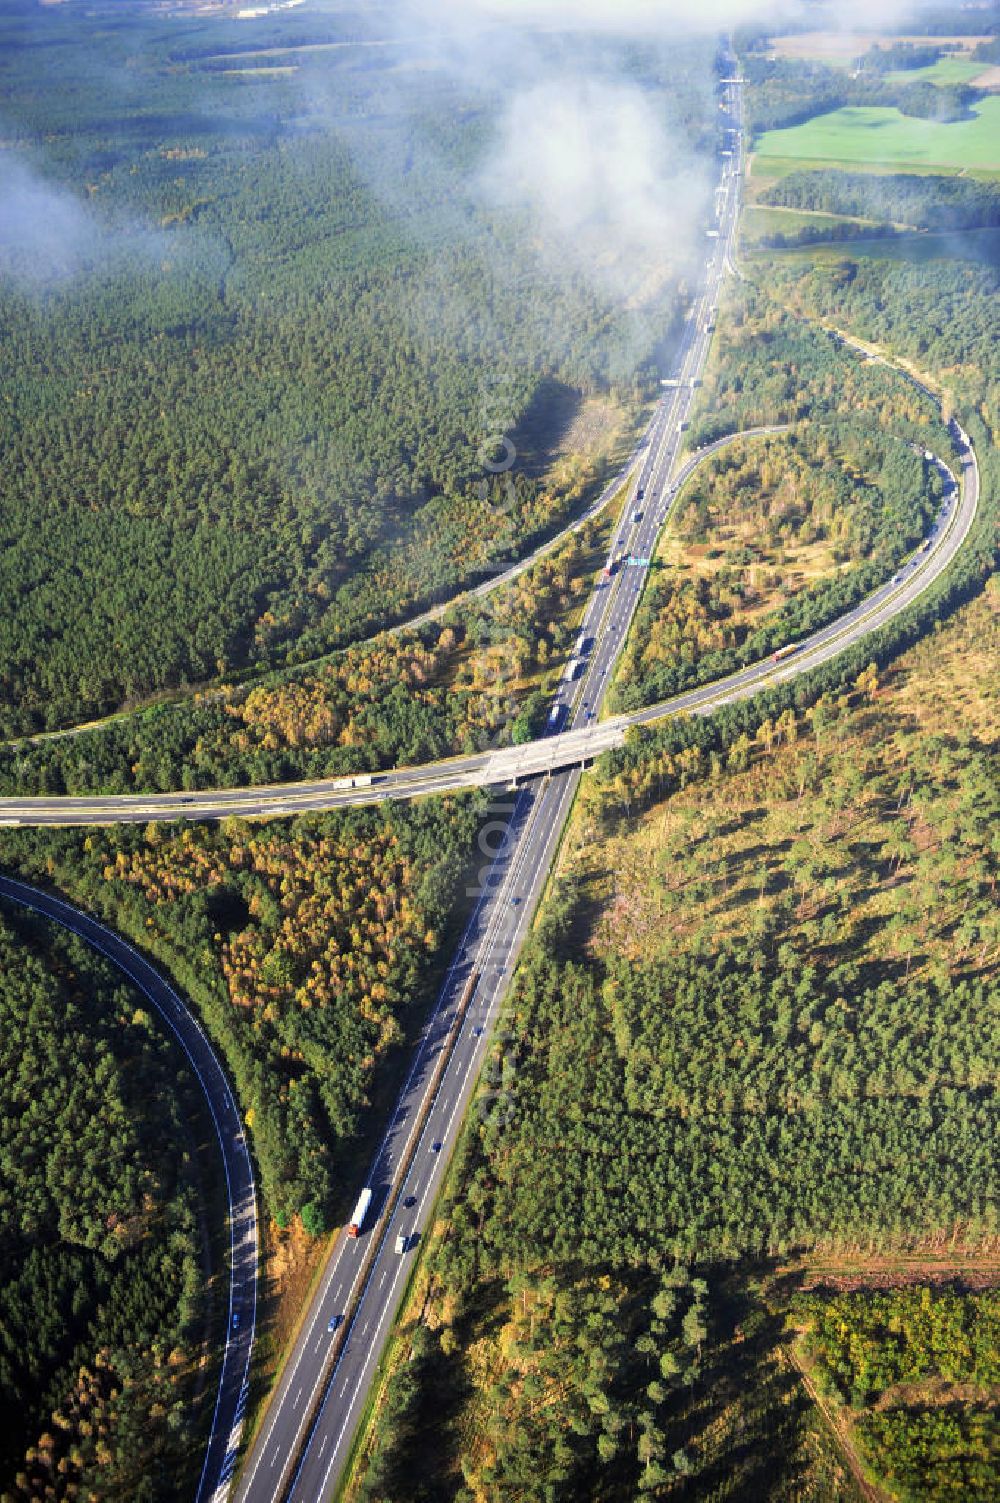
(870, 134)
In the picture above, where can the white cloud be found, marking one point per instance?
(599, 176)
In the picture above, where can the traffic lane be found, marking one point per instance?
(875, 610)
(305, 1369)
(288, 799)
(492, 963)
(891, 597)
(349, 1385)
(240, 1186)
(346, 1378)
(251, 803)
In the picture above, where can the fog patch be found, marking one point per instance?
(604, 187)
(46, 234)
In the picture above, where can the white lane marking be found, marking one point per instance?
(423, 1052)
(490, 947)
(494, 932)
(84, 926)
(492, 935)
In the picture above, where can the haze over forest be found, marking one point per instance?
(499, 936)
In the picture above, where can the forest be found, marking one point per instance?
(918, 1368)
(755, 1025)
(956, 331)
(310, 948)
(104, 1182)
(788, 91)
(771, 540)
(249, 393)
(847, 476)
(900, 56)
(469, 680)
(757, 1019)
(899, 198)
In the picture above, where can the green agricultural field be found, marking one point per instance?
(859, 135)
(947, 70)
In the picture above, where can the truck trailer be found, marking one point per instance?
(357, 1220)
(786, 651)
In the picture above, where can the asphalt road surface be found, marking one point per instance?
(605, 625)
(307, 1430)
(223, 1446)
(306, 1434)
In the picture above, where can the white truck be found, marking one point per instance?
(357, 1220)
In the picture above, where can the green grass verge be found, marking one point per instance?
(758, 222)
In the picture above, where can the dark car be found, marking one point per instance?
(436, 1146)
(410, 1200)
(236, 1320)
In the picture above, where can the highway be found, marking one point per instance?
(301, 1449)
(306, 1433)
(606, 622)
(237, 1348)
(307, 1430)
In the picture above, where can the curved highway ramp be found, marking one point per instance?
(227, 1419)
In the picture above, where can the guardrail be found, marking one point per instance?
(381, 1224)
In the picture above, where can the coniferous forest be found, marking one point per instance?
(722, 1224)
(105, 1182)
(259, 337)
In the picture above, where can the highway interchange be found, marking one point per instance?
(588, 737)
(305, 1440)
(305, 1437)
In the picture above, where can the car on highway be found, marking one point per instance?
(477, 1032)
(409, 1201)
(334, 1322)
(436, 1146)
(236, 1320)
